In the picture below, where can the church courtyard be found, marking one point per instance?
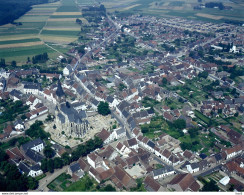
(97, 123)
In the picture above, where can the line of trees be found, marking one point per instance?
(41, 58)
(215, 4)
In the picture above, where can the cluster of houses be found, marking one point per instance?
(28, 157)
(117, 160)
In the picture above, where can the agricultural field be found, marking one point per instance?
(39, 29)
(180, 8)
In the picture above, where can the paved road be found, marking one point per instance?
(122, 124)
(49, 178)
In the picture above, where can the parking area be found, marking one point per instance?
(136, 171)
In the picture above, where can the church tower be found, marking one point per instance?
(60, 93)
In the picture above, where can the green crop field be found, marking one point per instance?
(65, 16)
(67, 9)
(60, 33)
(19, 41)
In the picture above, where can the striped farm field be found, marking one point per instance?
(67, 9)
(26, 44)
(19, 41)
(43, 25)
(62, 19)
(62, 28)
(28, 18)
(57, 39)
(66, 13)
(17, 37)
(60, 33)
(61, 24)
(65, 16)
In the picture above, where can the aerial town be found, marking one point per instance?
(141, 103)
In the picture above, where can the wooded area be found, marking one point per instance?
(13, 9)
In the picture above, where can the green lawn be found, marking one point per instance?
(202, 117)
(59, 182)
(81, 185)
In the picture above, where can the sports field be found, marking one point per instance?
(53, 23)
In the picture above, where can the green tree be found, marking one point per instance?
(203, 74)
(32, 183)
(164, 81)
(58, 163)
(13, 63)
(49, 152)
(179, 124)
(2, 63)
(3, 156)
(50, 165)
(108, 188)
(103, 108)
(44, 165)
(210, 186)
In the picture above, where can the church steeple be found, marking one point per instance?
(60, 93)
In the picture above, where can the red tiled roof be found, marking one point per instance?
(149, 181)
(185, 181)
(104, 134)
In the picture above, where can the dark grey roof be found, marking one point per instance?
(132, 124)
(24, 168)
(71, 113)
(35, 156)
(94, 102)
(35, 167)
(32, 144)
(137, 115)
(203, 164)
(130, 119)
(60, 91)
(61, 118)
(16, 93)
(110, 99)
(79, 90)
(32, 86)
(18, 122)
(151, 144)
(195, 165)
(150, 111)
(120, 131)
(218, 157)
(161, 171)
(125, 114)
(75, 167)
(123, 105)
(143, 114)
(82, 114)
(69, 67)
(90, 87)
